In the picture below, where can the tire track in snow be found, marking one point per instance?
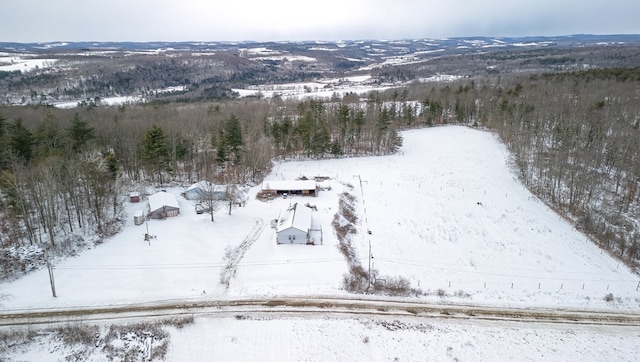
(234, 256)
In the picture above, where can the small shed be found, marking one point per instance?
(293, 225)
(134, 197)
(162, 205)
(291, 187)
(138, 217)
(203, 190)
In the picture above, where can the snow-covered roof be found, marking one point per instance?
(296, 216)
(206, 186)
(162, 199)
(289, 185)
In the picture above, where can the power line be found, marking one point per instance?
(193, 266)
(502, 274)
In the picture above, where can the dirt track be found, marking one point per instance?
(306, 306)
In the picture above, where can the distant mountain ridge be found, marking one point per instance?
(72, 73)
(447, 43)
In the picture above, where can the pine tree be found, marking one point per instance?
(230, 142)
(3, 148)
(79, 133)
(21, 142)
(49, 139)
(222, 156)
(233, 139)
(155, 150)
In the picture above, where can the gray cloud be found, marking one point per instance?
(203, 20)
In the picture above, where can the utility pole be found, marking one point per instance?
(370, 265)
(361, 181)
(51, 280)
(147, 237)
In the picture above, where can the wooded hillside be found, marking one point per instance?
(65, 173)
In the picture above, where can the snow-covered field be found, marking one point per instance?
(334, 337)
(106, 101)
(322, 89)
(398, 339)
(446, 212)
(23, 63)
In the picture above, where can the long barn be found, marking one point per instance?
(292, 187)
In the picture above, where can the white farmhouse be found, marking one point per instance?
(293, 225)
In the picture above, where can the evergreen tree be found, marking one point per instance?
(222, 155)
(233, 139)
(79, 133)
(3, 148)
(20, 142)
(155, 150)
(49, 140)
(344, 120)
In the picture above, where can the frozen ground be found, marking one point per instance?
(446, 213)
(334, 337)
(398, 339)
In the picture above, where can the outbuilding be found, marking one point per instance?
(291, 187)
(162, 205)
(134, 197)
(205, 190)
(293, 225)
(138, 217)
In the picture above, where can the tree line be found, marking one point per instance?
(65, 174)
(573, 137)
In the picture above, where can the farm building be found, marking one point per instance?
(292, 187)
(134, 197)
(204, 189)
(138, 217)
(163, 205)
(293, 225)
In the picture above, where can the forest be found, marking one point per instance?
(65, 173)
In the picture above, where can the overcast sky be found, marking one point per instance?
(231, 20)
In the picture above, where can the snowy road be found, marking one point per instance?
(316, 306)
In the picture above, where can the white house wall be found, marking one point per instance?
(292, 236)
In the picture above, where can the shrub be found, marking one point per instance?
(78, 334)
(608, 297)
